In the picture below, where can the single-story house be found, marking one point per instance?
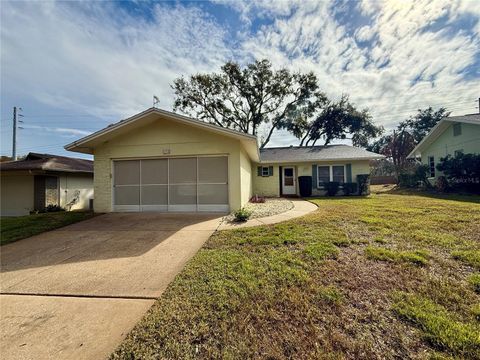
(449, 136)
(162, 161)
(40, 180)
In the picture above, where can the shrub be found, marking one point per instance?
(350, 188)
(53, 208)
(412, 177)
(242, 214)
(332, 188)
(257, 199)
(363, 181)
(462, 168)
(441, 184)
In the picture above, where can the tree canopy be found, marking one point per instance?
(401, 141)
(258, 97)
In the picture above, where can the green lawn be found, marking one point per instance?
(16, 228)
(387, 276)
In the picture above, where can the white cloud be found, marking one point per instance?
(89, 58)
(93, 58)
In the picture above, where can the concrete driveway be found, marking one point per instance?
(75, 292)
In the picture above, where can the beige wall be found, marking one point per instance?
(270, 186)
(266, 185)
(245, 177)
(165, 138)
(16, 195)
(70, 184)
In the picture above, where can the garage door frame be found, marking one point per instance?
(171, 207)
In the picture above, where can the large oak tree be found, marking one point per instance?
(245, 98)
(258, 97)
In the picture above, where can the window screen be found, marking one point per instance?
(212, 170)
(338, 173)
(154, 171)
(127, 172)
(323, 174)
(183, 171)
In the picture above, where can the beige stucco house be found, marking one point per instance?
(40, 180)
(449, 136)
(162, 161)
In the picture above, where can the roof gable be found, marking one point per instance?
(89, 142)
(440, 128)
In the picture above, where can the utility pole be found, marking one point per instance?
(479, 105)
(14, 139)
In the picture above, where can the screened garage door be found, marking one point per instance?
(173, 184)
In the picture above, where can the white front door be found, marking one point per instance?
(288, 181)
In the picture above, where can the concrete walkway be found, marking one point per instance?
(300, 208)
(75, 292)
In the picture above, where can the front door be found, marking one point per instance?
(288, 182)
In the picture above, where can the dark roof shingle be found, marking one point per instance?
(48, 162)
(316, 153)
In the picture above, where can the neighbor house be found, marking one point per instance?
(162, 161)
(449, 136)
(40, 180)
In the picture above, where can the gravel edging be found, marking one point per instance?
(271, 206)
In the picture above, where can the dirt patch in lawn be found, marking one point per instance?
(385, 276)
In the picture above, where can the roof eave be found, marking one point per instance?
(77, 145)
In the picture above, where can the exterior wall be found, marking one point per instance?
(245, 177)
(270, 186)
(266, 185)
(70, 184)
(16, 195)
(164, 138)
(447, 144)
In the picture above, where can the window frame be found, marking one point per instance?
(431, 161)
(457, 129)
(330, 174)
(263, 171)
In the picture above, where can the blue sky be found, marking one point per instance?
(75, 67)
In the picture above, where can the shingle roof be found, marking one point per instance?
(316, 153)
(48, 162)
(470, 118)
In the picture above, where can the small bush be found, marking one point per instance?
(257, 199)
(242, 214)
(441, 184)
(406, 180)
(412, 177)
(363, 181)
(53, 208)
(474, 280)
(350, 188)
(332, 188)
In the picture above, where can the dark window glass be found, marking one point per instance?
(338, 173)
(323, 174)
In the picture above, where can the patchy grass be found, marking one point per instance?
(417, 257)
(470, 257)
(21, 227)
(439, 326)
(334, 284)
(474, 280)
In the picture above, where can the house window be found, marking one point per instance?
(458, 152)
(330, 173)
(431, 164)
(265, 171)
(338, 174)
(457, 129)
(323, 174)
